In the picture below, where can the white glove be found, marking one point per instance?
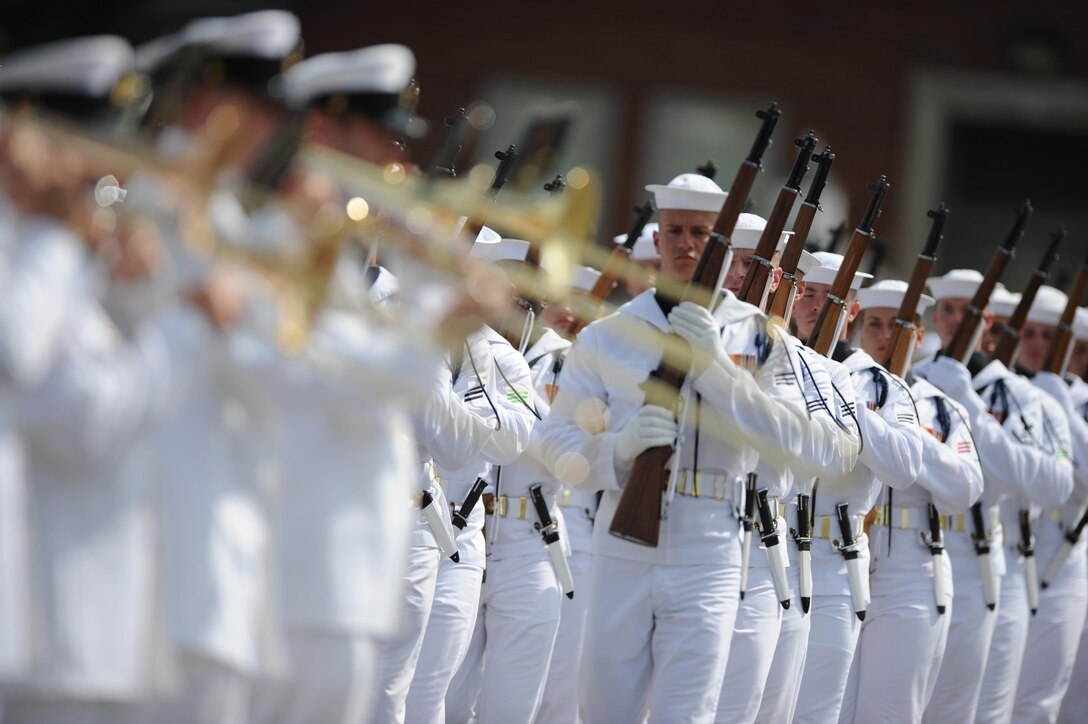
(953, 378)
(697, 326)
(651, 426)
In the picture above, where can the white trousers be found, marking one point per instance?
(998, 693)
(330, 680)
(521, 618)
(210, 693)
(657, 639)
(396, 658)
(446, 641)
(832, 641)
(970, 631)
(751, 651)
(1075, 702)
(559, 704)
(902, 639)
(784, 679)
(465, 687)
(1051, 651)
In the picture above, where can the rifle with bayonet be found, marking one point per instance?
(507, 160)
(901, 346)
(782, 302)
(826, 332)
(754, 287)
(445, 163)
(1061, 346)
(965, 340)
(1008, 344)
(638, 513)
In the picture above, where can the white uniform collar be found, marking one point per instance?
(729, 309)
(925, 388)
(859, 360)
(1078, 389)
(549, 342)
(990, 374)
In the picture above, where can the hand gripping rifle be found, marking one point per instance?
(902, 342)
(1061, 346)
(754, 288)
(1009, 342)
(967, 334)
(782, 302)
(638, 514)
(833, 314)
(617, 261)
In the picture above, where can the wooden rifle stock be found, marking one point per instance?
(638, 513)
(754, 287)
(1009, 343)
(782, 301)
(901, 346)
(963, 341)
(1061, 346)
(617, 261)
(825, 333)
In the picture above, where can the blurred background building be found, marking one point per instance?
(977, 103)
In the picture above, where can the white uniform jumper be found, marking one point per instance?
(1075, 702)
(891, 450)
(660, 619)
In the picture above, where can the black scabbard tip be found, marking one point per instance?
(1045, 585)
(742, 595)
(991, 606)
(456, 558)
(806, 603)
(1033, 611)
(785, 604)
(861, 615)
(571, 595)
(940, 610)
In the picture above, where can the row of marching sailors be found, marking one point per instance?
(884, 634)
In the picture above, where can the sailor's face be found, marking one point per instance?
(877, 324)
(738, 269)
(681, 237)
(992, 334)
(1034, 343)
(947, 316)
(807, 306)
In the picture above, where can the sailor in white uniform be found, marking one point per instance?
(1053, 633)
(762, 619)
(892, 450)
(1007, 463)
(1037, 419)
(495, 382)
(660, 618)
(903, 638)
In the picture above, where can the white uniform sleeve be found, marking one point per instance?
(893, 440)
(95, 406)
(512, 394)
(34, 299)
(1007, 463)
(951, 470)
(1052, 486)
(578, 439)
(1078, 428)
(446, 428)
(777, 427)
